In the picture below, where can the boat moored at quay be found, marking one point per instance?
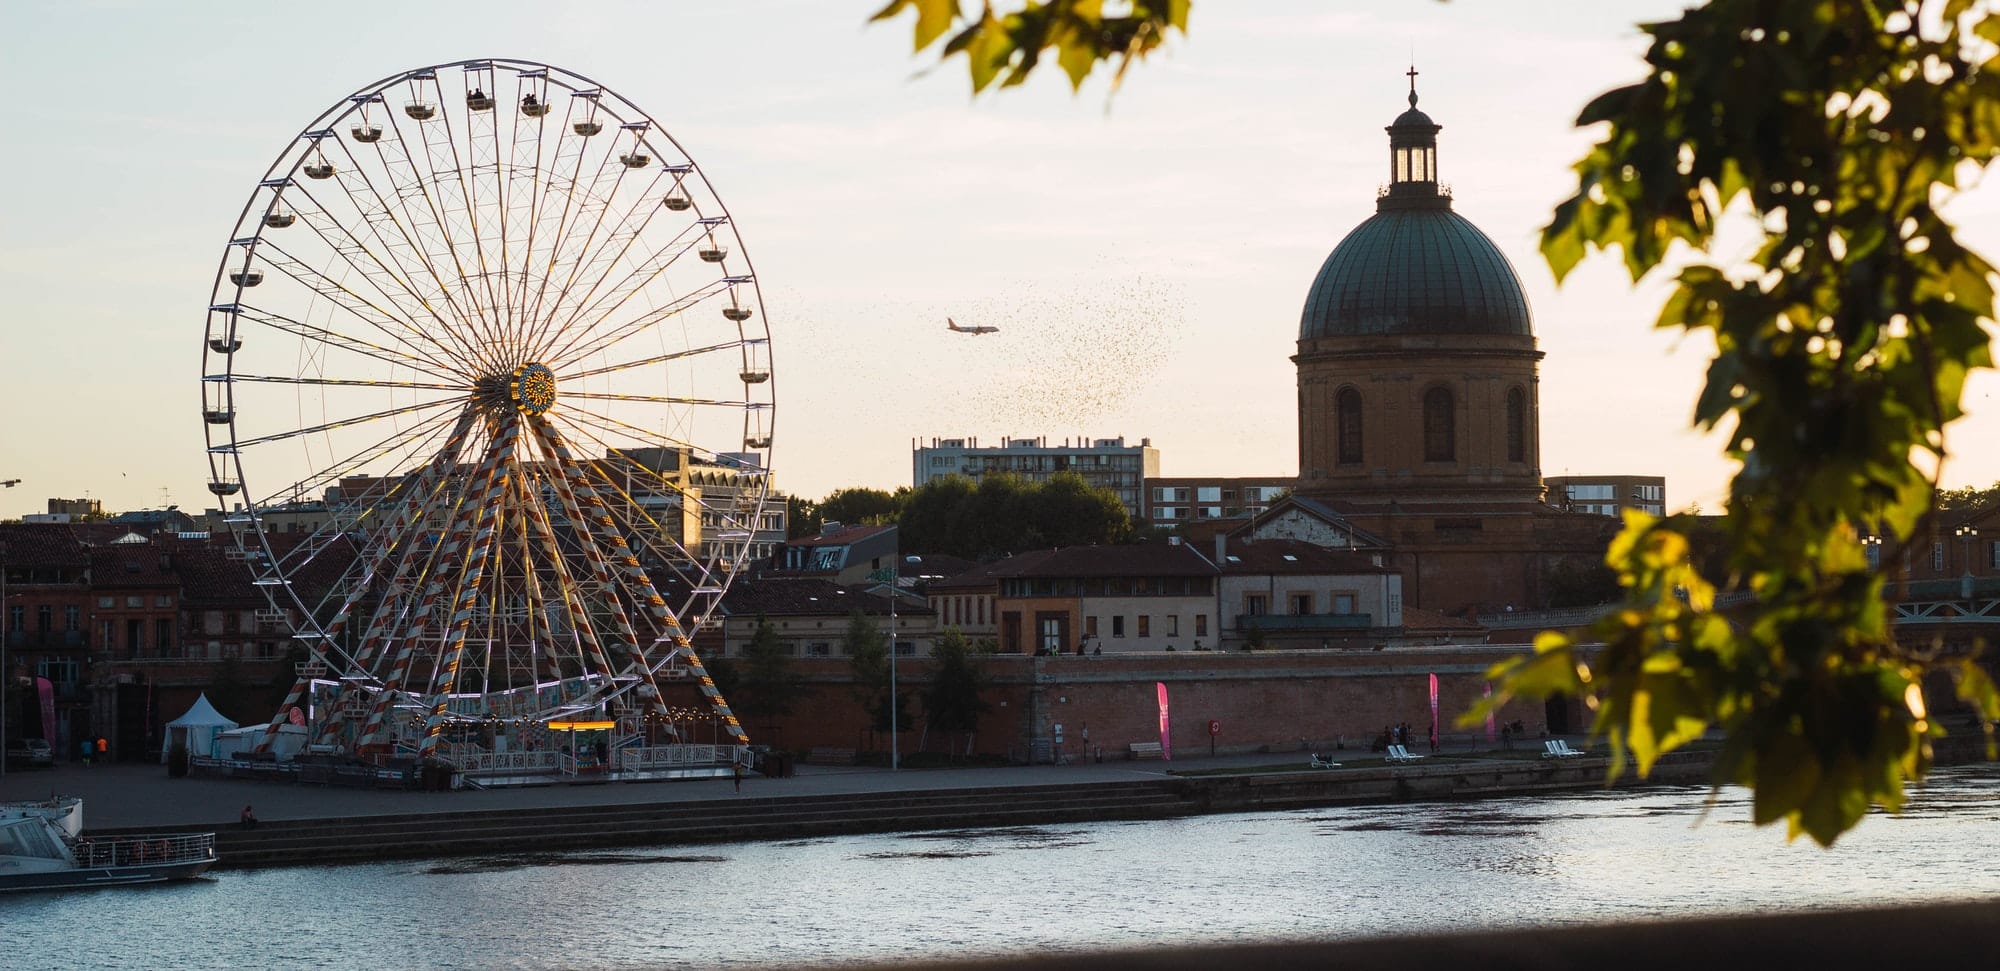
(38, 853)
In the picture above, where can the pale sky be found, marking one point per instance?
(1146, 264)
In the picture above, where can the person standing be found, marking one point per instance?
(736, 772)
(83, 751)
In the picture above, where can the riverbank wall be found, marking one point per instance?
(553, 829)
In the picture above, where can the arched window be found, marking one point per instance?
(1517, 425)
(1348, 406)
(1440, 431)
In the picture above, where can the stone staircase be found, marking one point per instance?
(555, 829)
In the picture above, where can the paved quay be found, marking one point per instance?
(130, 795)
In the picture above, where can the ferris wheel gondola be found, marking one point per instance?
(517, 368)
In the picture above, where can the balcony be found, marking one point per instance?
(1304, 623)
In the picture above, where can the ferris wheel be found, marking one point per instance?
(488, 400)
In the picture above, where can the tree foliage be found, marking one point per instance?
(1841, 129)
(1006, 514)
(1968, 497)
(867, 647)
(952, 700)
(767, 685)
(1009, 46)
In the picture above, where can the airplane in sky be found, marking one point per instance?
(952, 325)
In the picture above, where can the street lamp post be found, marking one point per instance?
(1965, 533)
(895, 572)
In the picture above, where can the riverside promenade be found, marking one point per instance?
(304, 824)
(133, 795)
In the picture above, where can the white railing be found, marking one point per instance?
(673, 756)
(504, 762)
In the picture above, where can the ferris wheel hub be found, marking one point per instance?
(531, 389)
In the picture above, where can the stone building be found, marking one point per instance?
(1418, 396)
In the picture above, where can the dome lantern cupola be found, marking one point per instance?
(1413, 171)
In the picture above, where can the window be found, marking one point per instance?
(1168, 512)
(1173, 625)
(1118, 626)
(1343, 603)
(1145, 625)
(1517, 425)
(44, 618)
(17, 618)
(1201, 625)
(1302, 604)
(1208, 494)
(163, 600)
(134, 636)
(1873, 551)
(135, 601)
(105, 603)
(1347, 420)
(72, 618)
(1937, 559)
(982, 611)
(1440, 430)
(1993, 560)
(1090, 626)
(819, 649)
(1255, 605)
(906, 648)
(163, 637)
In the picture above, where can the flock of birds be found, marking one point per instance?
(1069, 354)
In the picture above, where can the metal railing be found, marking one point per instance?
(94, 853)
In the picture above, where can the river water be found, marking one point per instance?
(1319, 874)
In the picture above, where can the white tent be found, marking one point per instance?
(196, 729)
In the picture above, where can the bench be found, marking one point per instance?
(1146, 750)
(830, 756)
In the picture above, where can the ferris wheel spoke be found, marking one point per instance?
(422, 231)
(655, 399)
(583, 203)
(337, 340)
(730, 345)
(405, 442)
(589, 257)
(589, 341)
(404, 247)
(390, 325)
(348, 422)
(597, 265)
(593, 307)
(338, 382)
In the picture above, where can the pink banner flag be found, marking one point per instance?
(1434, 712)
(1166, 737)
(1487, 691)
(46, 693)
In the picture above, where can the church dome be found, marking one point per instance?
(1415, 267)
(1417, 270)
